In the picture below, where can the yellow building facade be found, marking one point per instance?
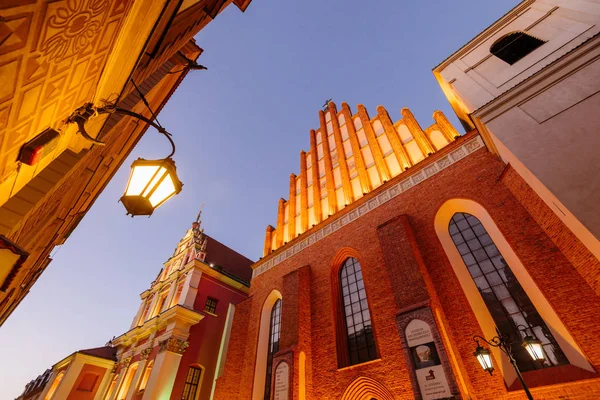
(54, 58)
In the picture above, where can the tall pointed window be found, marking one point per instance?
(505, 298)
(274, 334)
(361, 343)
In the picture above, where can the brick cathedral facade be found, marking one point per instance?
(380, 272)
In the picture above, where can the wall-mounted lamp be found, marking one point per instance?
(151, 182)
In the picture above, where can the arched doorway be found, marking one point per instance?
(364, 388)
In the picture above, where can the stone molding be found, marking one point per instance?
(145, 353)
(125, 362)
(174, 345)
(394, 190)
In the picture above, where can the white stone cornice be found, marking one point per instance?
(176, 315)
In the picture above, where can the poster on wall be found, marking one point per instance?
(428, 367)
(282, 381)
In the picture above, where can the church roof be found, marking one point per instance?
(230, 260)
(107, 352)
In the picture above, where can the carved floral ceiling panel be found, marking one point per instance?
(51, 56)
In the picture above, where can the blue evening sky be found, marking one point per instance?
(239, 128)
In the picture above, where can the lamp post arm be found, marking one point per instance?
(496, 341)
(82, 114)
(149, 122)
(501, 342)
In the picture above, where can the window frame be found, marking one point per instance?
(486, 274)
(362, 308)
(520, 41)
(341, 336)
(212, 308)
(145, 376)
(198, 384)
(277, 308)
(483, 318)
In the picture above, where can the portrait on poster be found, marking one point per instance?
(425, 355)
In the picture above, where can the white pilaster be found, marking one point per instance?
(190, 288)
(101, 393)
(162, 377)
(117, 387)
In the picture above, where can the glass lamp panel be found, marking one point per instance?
(485, 360)
(140, 176)
(164, 191)
(154, 181)
(534, 348)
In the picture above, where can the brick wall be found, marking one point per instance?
(581, 258)
(476, 177)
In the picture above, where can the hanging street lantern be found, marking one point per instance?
(151, 183)
(484, 356)
(534, 348)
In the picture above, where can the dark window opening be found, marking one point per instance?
(361, 342)
(192, 380)
(502, 293)
(211, 305)
(514, 46)
(274, 334)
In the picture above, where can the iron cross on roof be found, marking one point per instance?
(326, 104)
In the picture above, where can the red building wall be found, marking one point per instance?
(478, 177)
(205, 337)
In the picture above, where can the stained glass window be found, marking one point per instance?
(510, 307)
(361, 343)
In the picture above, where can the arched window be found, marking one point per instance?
(274, 335)
(177, 295)
(146, 375)
(111, 388)
(361, 342)
(192, 383)
(127, 381)
(514, 46)
(146, 312)
(505, 298)
(161, 303)
(54, 386)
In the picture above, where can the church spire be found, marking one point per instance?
(194, 242)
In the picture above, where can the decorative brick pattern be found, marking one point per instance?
(392, 191)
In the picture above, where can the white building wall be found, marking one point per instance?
(541, 113)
